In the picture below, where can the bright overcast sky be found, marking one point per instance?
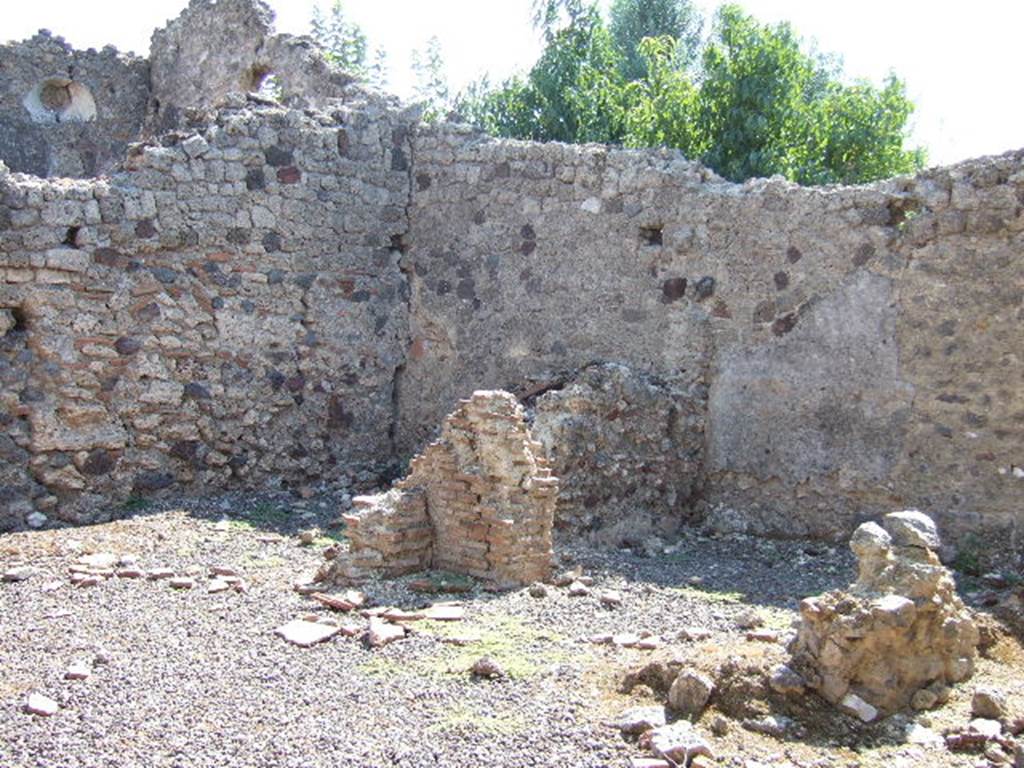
(961, 61)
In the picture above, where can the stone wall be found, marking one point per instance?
(230, 309)
(267, 295)
(856, 343)
(65, 112)
(629, 448)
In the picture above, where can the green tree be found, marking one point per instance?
(766, 107)
(631, 21)
(550, 15)
(574, 93)
(431, 88)
(343, 41)
(661, 106)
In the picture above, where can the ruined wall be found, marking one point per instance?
(228, 310)
(65, 112)
(629, 449)
(857, 344)
(217, 47)
(265, 295)
(480, 500)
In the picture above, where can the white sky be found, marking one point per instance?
(961, 61)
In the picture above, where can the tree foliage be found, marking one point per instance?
(631, 21)
(757, 104)
(432, 89)
(343, 41)
(345, 45)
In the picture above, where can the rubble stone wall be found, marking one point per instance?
(47, 127)
(229, 309)
(857, 345)
(628, 448)
(267, 295)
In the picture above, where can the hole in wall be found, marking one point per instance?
(262, 81)
(71, 237)
(12, 320)
(60, 100)
(651, 235)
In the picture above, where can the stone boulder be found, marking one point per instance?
(898, 629)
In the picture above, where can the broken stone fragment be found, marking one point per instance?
(44, 706)
(578, 589)
(441, 612)
(380, 633)
(856, 706)
(487, 668)
(990, 729)
(912, 529)
(102, 560)
(749, 618)
(637, 720)
(306, 633)
(988, 703)
(924, 699)
(21, 573)
(770, 725)
(217, 585)
(786, 681)
(181, 582)
(611, 598)
(678, 742)
(78, 671)
(693, 634)
(690, 693)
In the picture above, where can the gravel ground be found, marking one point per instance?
(188, 678)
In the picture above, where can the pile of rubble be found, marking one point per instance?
(899, 636)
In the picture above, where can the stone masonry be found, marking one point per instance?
(898, 636)
(275, 294)
(628, 449)
(480, 501)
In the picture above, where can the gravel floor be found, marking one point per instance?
(187, 678)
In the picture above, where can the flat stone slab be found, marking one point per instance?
(306, 633)
(380, 633)
(99, 560)
(444, 613)
(43, 706)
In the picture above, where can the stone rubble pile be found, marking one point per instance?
(899, 636)
(479, 501)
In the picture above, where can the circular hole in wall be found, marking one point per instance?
(60, 100)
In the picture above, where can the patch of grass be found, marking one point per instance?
(136, 504)
(968, 558)
(270, 561)
(462, 716)
(707, 595)
(521, 650)
(267, 516)
(329, 538)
